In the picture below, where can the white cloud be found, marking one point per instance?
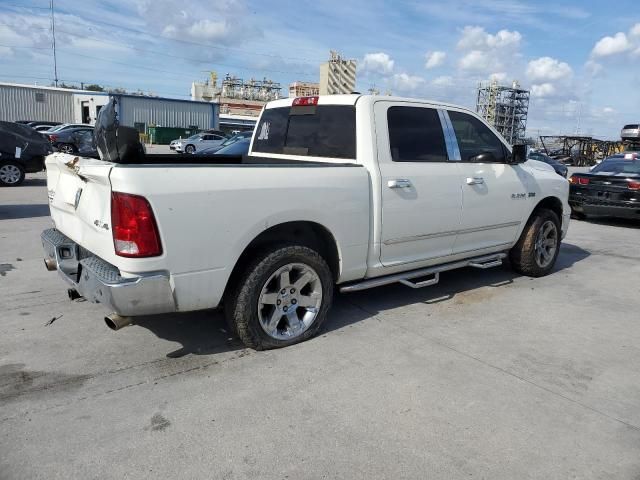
(442, 81)
(635, 30)
(498, 77)
(476, 38)
(593, 68)
(6, 52)
(209, 29)
(377, 63)
(478, 61)
(434, 59)
(608, 46)
(548, 69)
(608, 110)
(543, 90)
(406, 83)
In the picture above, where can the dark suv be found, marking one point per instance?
(22, 150)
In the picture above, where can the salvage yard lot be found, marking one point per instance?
(488, 374)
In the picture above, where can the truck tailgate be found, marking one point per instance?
(79, 193)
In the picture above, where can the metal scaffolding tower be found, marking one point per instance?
(505, 108)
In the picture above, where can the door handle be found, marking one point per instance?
(475, 180)
(399, 183)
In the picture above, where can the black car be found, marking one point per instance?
(560, 168)
(611, 188)
(22, 150)
(66, 140)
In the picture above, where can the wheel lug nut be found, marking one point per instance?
(293, 302)
(278, 302)
(293, 290)
(285, 309)
(283, 291)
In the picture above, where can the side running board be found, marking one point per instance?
(409, 278)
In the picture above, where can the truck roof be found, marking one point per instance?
(351, 99)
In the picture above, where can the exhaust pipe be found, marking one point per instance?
(50, 264)
(116, 322)
(73, 294)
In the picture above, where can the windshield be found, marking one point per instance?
(618, 165)
(194, 137)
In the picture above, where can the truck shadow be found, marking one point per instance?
(13, 212)
(206, 333)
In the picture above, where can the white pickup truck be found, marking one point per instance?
(356, 191)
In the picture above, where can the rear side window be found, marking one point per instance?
(476, 139)
(415, 135)
(631, 127)
(320, 131)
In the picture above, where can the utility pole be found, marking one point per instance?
(53, 36)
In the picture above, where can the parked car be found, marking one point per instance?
(559, 167)
(611, 188)
(66, 140)
(217, 132)
(228, 142)
(66, 126)
(241, 147)
(198, 141)
(37, 123)
(430, 188)
(22, 150)
(172, 144)
(631, 132)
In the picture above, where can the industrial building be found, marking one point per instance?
(337, 76)
(303, 89)
(28, 102)
(505, 108)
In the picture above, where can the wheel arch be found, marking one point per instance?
(549, 203)
(306, 233)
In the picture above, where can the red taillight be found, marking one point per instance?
(579, 180)
(633, 185)
(135, 233)
(53, 138)
(305, 101)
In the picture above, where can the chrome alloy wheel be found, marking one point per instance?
(290, 301)
(546, 244)
(65, 148)
(10, 174)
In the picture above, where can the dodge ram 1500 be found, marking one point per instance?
(342, 191)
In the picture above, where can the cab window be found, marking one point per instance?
(415, 135)
(477, 143)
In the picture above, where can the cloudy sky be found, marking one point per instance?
(581, 60)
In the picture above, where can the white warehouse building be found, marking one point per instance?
(36, 103)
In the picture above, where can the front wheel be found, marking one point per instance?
(538, 247)
(190, 149)
(282, 298)
(11, 174)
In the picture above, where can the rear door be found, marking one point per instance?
(494, 193)
(421, 195)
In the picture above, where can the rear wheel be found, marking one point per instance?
(66, 148)
(536, 252)
(282, 298)
(11, 174)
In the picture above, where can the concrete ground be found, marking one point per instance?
(486, 375)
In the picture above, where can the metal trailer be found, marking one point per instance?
(142, 112)
(580, 151)
(22, 102)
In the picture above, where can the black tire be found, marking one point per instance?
(189, 149)
(67, 148)
(11, 174)
(242, 301)
(523, 255)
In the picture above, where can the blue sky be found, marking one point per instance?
(581, 60)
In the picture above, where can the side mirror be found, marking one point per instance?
(519, 153)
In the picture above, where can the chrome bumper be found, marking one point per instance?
(100, 282)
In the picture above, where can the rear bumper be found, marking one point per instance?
(605, 208)
(100, 282)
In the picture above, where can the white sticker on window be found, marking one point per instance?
(18, 152)
(264, 131)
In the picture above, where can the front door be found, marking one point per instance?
(494, 192)
(421, 196)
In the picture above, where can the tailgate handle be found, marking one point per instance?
(475, 180)
(399, 183)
